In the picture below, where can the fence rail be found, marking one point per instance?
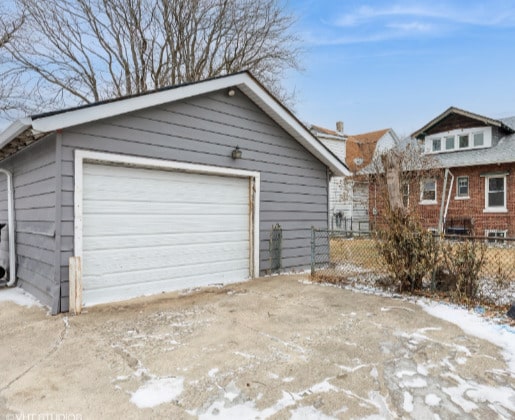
(350, 255)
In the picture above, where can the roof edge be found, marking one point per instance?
(14, 130)
(459, 111)
(248, 84)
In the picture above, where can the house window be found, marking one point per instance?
(428, 191)
(459, 139)
(479, 139)
(493, 235)
(463, 141)
(449, 143)
(462, 187)
(495, 193)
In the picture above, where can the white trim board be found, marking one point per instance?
(243, 81)
(82, 156)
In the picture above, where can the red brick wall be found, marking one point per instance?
(463, 208)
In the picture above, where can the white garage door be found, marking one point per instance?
(146, 231)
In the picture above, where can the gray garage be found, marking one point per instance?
(174, 189)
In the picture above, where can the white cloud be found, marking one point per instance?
(413, 27)
(480, 14)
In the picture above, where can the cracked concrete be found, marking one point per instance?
(269, 348)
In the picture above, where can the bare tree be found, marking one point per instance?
(82, 51)
(10, 25)
(397, 173)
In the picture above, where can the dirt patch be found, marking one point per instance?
(272, 347)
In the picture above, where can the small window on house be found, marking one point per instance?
(493, 235)
(449, 143)
(437, 145)
(462, 187)
(405, 194)
(495, 193)
(428, 191)
(463, 141)
(479, 139)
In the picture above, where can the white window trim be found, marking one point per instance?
(428, 202)
(496, 239)
(462, 197)
(503, 231)
(487, 140)
(499, 209)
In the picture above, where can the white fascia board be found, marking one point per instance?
(292, 126)
(123, 106)
(14, 130)
(242, 80)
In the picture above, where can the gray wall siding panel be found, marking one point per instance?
(204, 130)
(34, 200)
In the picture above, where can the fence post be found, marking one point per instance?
(313, 237)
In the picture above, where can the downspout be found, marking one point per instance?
(442, 205)
(448, 197)
(10, 222)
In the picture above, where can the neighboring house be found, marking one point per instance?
(478, 155)
(173, 189)
(349, 196)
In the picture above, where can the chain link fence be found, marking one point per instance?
(349, 256)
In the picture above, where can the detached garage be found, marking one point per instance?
(169, 190)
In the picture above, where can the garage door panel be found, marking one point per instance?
(162, 208)
(101, 173)
(175, 195)
(147, 231)
(164, 274)
(129, 259)
(170, 281)
(112, 225)
(142, 239)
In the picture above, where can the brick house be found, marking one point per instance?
(349, 196)
(475, 177)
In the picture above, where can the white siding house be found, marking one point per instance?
(349, 196)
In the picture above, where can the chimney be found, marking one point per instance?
(339, 127)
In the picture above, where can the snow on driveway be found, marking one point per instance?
(280, 347)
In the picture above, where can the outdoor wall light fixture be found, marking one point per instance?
(236, 153)
(231, 92)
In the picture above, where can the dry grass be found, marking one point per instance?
(363, 253)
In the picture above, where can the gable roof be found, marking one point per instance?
(501, 151)
(27, 130)
(453, 110)
(319, 131)
(362, 146)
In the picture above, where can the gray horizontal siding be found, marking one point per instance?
(34, 179)
(204, 130)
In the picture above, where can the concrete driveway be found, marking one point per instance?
(277, 347)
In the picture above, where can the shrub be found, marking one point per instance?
(463, 261)
(407, 248)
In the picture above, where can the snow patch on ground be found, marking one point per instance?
(502, 336)
(408, 402)
(18, 296)
(432, 400)
(308, 412)
(157, 391)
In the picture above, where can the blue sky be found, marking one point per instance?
(398, 64)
